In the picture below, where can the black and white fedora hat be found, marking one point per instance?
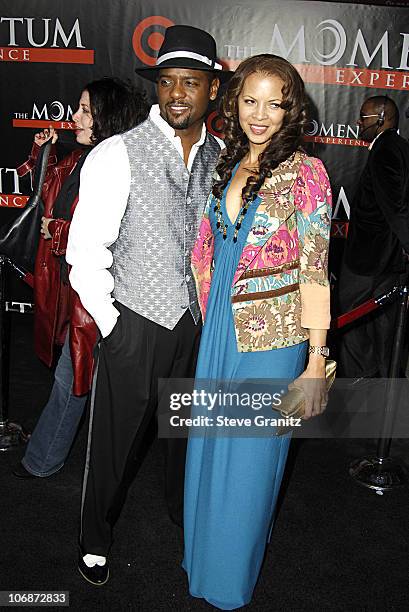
(186, 47)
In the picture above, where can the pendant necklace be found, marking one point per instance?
(221, 224)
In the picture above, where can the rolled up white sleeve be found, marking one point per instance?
(104, 189)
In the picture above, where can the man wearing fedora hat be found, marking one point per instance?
(141, 198)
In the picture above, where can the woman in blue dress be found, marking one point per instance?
(260, 265)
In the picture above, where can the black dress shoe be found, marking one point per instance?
(21, 472)
(97, 575)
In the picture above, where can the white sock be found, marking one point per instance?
(91, 560)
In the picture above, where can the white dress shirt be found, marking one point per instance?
(105, 183)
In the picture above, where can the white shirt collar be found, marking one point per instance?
(374, 140)
(169, 132)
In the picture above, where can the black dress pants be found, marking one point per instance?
(125, 398)
(366, 345)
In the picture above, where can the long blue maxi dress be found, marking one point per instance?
(232, 483)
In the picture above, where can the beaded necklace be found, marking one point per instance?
(221, 224)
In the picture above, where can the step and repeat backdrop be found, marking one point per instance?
(345, 52)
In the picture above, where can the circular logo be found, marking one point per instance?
(214, 124)
(311, 128)
(339, 42)
(148, 38)
(56, 111)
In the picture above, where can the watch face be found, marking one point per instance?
(325, 351)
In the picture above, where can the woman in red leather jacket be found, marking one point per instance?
(108, 106)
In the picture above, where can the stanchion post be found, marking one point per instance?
(4, 357)
(11, 434)
(382, 472)
(384, 442)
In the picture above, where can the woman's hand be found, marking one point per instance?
(42, 137)
(313, 384)
(44, 228)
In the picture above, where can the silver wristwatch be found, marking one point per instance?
(319, 350)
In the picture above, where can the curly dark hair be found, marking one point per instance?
(116, 106)
(283, 144)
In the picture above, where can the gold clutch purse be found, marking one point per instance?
(293, 403)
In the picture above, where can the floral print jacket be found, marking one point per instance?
(280, 288)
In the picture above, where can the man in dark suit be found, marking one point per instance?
(378, 240)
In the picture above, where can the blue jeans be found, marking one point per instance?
(52, 438)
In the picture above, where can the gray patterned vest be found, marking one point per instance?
(151, 266)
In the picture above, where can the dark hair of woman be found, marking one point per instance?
(283, 144)
(116, 106)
